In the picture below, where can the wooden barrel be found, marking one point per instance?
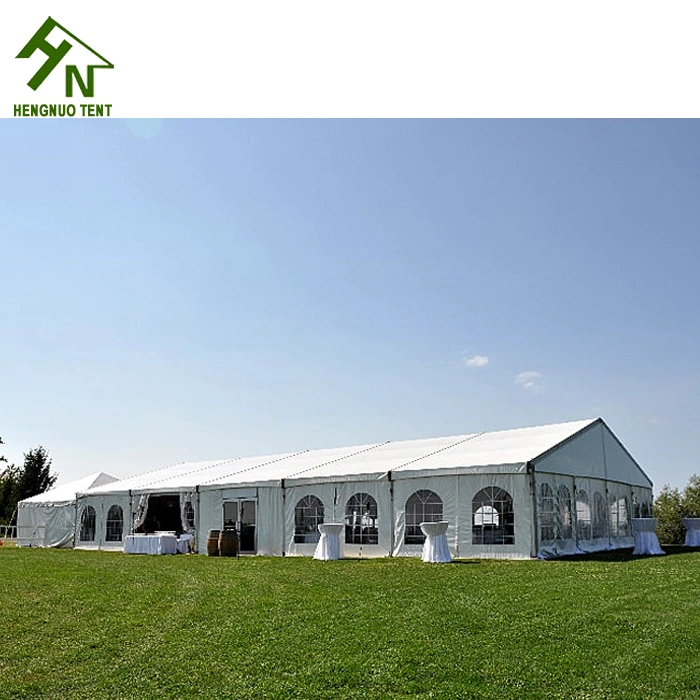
(213, 543)
(228, 543)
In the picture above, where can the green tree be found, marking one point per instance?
(18, 483)
(690, 499)
(667, 509)
(35, 476)
(7, 488)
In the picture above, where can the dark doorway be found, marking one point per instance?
(163, 514)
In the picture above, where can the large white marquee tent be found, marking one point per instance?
(542, 491)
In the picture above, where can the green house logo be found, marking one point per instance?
(56, 54)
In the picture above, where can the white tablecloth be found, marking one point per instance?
(150, 544)
(184, 543)
(435, 547)
(328, 546)
(645, 539)
(692, 535)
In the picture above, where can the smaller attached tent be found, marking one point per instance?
(48, 520)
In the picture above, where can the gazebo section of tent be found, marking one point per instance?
(48, 520)
(543, 491)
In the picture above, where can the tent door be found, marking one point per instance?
(242, 514)
(247, 527)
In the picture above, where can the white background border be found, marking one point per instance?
(315, 58)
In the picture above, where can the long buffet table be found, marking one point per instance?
(150, 544)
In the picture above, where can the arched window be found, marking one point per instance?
(421, 507)
(623, 517)
(308, 515)
(361, 520)
(565, 517)
(547, 513)
(619, 516)
(614, 515)
(487, 515)
(115, 524)
(189, 515)
(493, 517)
(600, 516)
(583, 516)
(87, 525)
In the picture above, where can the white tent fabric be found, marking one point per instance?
(556, 515)
(445, 489)
(543, 491)
(48, 520)
(102, 520)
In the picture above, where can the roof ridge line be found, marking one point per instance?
(442, 449)
(340, 459)
(155, 471)
(260, 464)
(193, 471)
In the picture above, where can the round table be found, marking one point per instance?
(328, 546)
(692, 534)
(645, 539)
(435, 547)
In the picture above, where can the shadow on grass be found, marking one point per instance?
(467, 561)
(625, 555)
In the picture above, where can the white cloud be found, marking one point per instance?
(532, 381)
(476, 361)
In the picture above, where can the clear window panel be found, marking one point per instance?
(361, 520)
(493, 517)
(308, 515)
(87, 525)
(115, 524)
(230, 515)
(423, 506)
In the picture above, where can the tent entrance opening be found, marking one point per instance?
(240, 515)
(163, 514)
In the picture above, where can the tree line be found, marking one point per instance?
(672, 505)
(19, 482)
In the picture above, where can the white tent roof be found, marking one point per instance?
(185, 476)
(66, 493)
(507, 449)
(504, 448)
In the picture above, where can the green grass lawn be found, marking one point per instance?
(105, 625)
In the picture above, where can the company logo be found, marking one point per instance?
(85, 83)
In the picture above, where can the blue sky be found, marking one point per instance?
(184, 290)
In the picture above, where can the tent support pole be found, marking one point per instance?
(196, 520)
(393, 514)
(284, 515)
(530, 469)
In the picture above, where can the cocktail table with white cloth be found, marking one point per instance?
(328, 546)
(645, 539)
(184, 543)
(150, 544)
(692, 532)
(435, 547)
